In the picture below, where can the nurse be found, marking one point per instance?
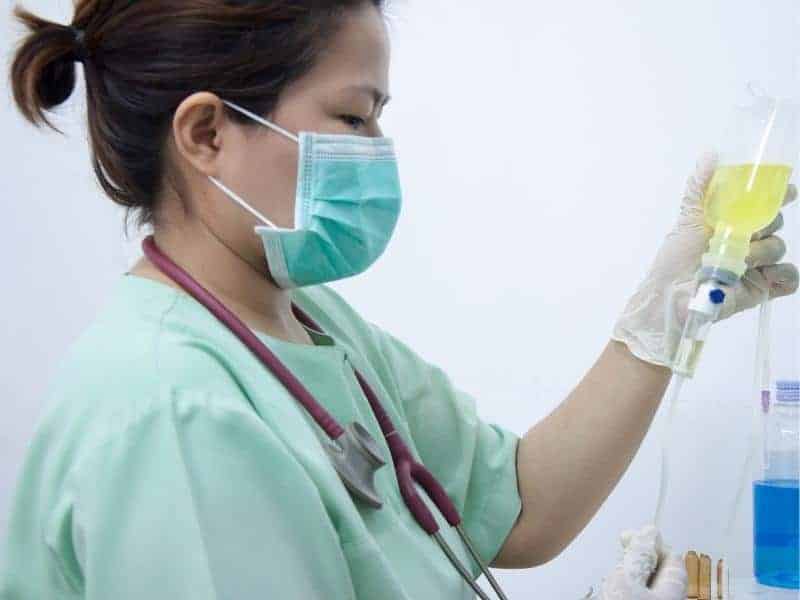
(170, 462)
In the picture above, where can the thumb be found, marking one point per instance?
(692, 205)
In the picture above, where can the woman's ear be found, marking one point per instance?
(198, 129)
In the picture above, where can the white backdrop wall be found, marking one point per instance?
(544, 148)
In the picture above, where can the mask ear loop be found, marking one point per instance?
(263, 121)
(236, 198)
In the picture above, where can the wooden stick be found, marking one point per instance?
(705, 577)
(693, 569)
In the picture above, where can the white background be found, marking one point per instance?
(544, 148)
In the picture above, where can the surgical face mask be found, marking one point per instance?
(347, 204)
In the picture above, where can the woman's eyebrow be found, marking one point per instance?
(380, 97)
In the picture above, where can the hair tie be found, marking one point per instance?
(80, 51)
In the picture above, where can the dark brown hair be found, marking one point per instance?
(142, 58)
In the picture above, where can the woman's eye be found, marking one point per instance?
(353, 121)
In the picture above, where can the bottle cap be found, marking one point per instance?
(788, 390)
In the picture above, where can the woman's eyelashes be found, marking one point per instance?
(354, 122)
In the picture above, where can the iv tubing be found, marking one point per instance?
(761, 386)
(677, 385)
(704, 309)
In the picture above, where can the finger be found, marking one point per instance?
(625, 537)
(754, 284)
(734, 300)
(649, 531)
(766, 252)
(776, 224)
(791, 194)
(758, 284)
(640, 559)
(783, 279)
(671, 580)
(778, 280)
(670, 564)
(696, 183)
(645, 539)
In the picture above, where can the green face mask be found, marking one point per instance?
(347, 204)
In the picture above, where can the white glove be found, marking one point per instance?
(652, 322)
(647, 570)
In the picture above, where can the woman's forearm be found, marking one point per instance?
(569, 462)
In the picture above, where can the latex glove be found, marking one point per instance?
(647, 570)
(652, 322)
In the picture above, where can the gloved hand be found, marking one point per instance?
(647, 570)
(652, 322)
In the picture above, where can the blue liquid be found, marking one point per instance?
(776, 533)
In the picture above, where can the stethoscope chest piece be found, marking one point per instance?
(356, 457)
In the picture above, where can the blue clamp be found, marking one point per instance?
(716, 296)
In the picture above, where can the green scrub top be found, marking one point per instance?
(170, 464)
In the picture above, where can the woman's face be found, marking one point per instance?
(344, 92)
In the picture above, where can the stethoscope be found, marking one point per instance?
(353, 451)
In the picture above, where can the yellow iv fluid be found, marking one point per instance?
(746, 197)
(740, 200)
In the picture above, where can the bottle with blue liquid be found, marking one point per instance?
(776, 501)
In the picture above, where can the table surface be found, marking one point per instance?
(748, 589)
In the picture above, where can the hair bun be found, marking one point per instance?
(43, 70)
